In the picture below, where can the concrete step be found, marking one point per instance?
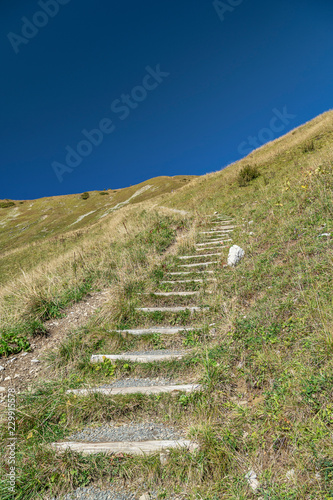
(221, 220)
(155, 389)
(208, 242)
(227, 226)
(189, 281)
(126, 447)
(175, 273)
(169, 309)
(135, 358)
(148, 331)
(199, 264)
(170, 294)
(204, 249)
(217, 231)
(218, 216)
(198, 256)
(223, 217)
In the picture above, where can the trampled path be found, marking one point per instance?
(194, 271)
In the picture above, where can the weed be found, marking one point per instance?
(15, 339)
(308, 147)
(247, 174)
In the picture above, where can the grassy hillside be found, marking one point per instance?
(264, 357)
(34, 231)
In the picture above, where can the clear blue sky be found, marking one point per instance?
(224, 71)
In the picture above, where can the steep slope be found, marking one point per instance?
(250, 345)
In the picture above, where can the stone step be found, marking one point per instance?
(175, 273)
(204, 249)
(154, 389)
(220, 216)
(126, 447)
(208, 242)
(169, 294)
(199, 264)
(135, 358)
(189, 281)
(148, 331)
(169, 309)
(220, 220)
(215, 231)
(224, 227)
(184, 257)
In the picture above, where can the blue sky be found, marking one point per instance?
(188, 82)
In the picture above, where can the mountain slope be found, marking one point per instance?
(258, 339)
(31, 231)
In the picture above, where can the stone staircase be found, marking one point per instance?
(193, 272)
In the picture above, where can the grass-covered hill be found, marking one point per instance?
(263, 355)
(31, 231)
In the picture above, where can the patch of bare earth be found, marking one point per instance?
(19, 370)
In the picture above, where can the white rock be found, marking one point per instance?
(325, 234)
(2, 368)
(251, 233)
(2, 389)
(250, 221)
(164, 457)
(145, 496)
(252, 480)
(236, 254)
(8, 378)
(35, 361)
(290, 474)
(24, 354)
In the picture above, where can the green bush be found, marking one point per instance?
(84, 196)
(6, 204)
(247, 174)
(103, 192)
(308, 147)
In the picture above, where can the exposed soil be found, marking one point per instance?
(25, 367)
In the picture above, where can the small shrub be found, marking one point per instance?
(84, 196)
(308, 147)
(247, 174)
(15, 339)
(103, 192)
(6, 204)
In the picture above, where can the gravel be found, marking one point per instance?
(92, 493)
(158, 351)
(128, 432)
(137, 382)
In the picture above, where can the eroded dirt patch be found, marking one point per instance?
(19, 370)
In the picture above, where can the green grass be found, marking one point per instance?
(17, 338)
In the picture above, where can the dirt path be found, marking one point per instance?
(19, 370)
